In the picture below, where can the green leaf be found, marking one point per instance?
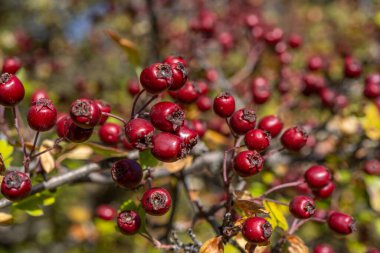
(106, 151)
(6, 151)
(129, 46)
(141, 213)
(147, 159)
(127, 205)
(276, 215)
(373, 188)
(32, 205)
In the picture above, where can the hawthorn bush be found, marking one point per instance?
(227, 126)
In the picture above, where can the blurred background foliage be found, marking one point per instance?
(66, 50)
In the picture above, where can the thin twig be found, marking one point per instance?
(115, 117)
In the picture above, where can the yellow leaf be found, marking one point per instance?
(296, 245)
(5, 219)
(371, 122)
(81, 152)
(373, 188)
(47, 160)
(178, 165)
(78, 214)
(214, 245)
(214, 138)
(276, 213)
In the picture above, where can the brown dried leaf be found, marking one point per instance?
(296, 245)
(47, 160)
(2, 165)
(250, 207)
(214, 245)
(178, 165)
(6, 219)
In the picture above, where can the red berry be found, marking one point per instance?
(156, 78)
(226, 41)
(139, 133)
(256, 230)
(315, 63)
(74, 133)
(327, 97)
(294, 138)
(127, 145)
(178, 67)
(189, 93)
(302, 207)
(156, 201)
(85, 113)
(175, 59)
(257, 139)
(341, 223)
(224, 105)
(202, 87)
(372, 167)
(373, 250)
(312, 83)
(252, 20)
(104, 107)
(372, 90)
(42, 115)
(167, 116)
(326, 191)
(11, 90)
(260, 90)
(37, 95)
(274, 36)
(204, 103)
(271, 124)
(188, 136)
(133, 87)
(198, 126)
(295, 41)
(106, 212)
(317, 177)
(212, 75)
(127, 173)
(323, 248)
(109, 133)
(61, 123)
(167, 147)
(243, 120)
(372, 78)
(352, 67)
(248, 163)
(15, 185)
(11, 65)
(129, 222)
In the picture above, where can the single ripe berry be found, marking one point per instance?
(126, 144)
(133, 87)
(226, 41)
(85, 113)
(129, 222)
(42, 115)
(188, 136)
(252, 20)
(211, 75)
(74, 133)
(325, 192)
(167, 116)
(372, 167)
(274, 36)
(256, 230)
(224, 105)
(178, 67)
(37, 95)
(60, 124)
(248, 163)
(295, 41)
(198, 126)
(109, 133)
(323, 248)
(11, 65)
(341, 223)
(257, 139)
(260, 90)
(352, 67)
(204, 103)
(167, 147)
(243, 120)
(312, 83)
(302, 207)
(139, 133)
(315, 63)
(106, 212)
(104, 107)
(11, 90)
(127, 173)
(15, 185)
(156, 201)
(172, 59)
(189, 93)
(156, 78)
(202, 87)
(294, 138)
(372, 90)
(317, 176)
(271, 124)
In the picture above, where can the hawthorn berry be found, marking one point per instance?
(74, 133)
(325, 192)
(156, 78)
(274, 36)
(248, 163)
(224, 105)
(256, 230)
(204, 103)
(312, 83)
(271, 124)
(104, 107)
(167, 116)
(372, 250)
(302, 207)
(226, 41)
(260, 90)
(352, 67)
(295, 41)
(127, 173)
(372, 167)
(129, 222)
(38, 94)
(198, 126)
(172, 59)
(109, 133)
(85, 113)
(11, 65)
(178, 67)
(252, 20)
(294, 138)
(42, 115)
(188, 94)
(341, 223)
(315, 63)
(61, 123)
(133, 87)
(126, 144)
(11, 90)
(317, 176)
(202, 87)
(156, 201)
(16, 185)
(323, 248)
(372, 90)
(188, 136)
(106, 212)
(211, 75)
(139, 133)
(257, 139)
(243, 120)
(167, 147)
